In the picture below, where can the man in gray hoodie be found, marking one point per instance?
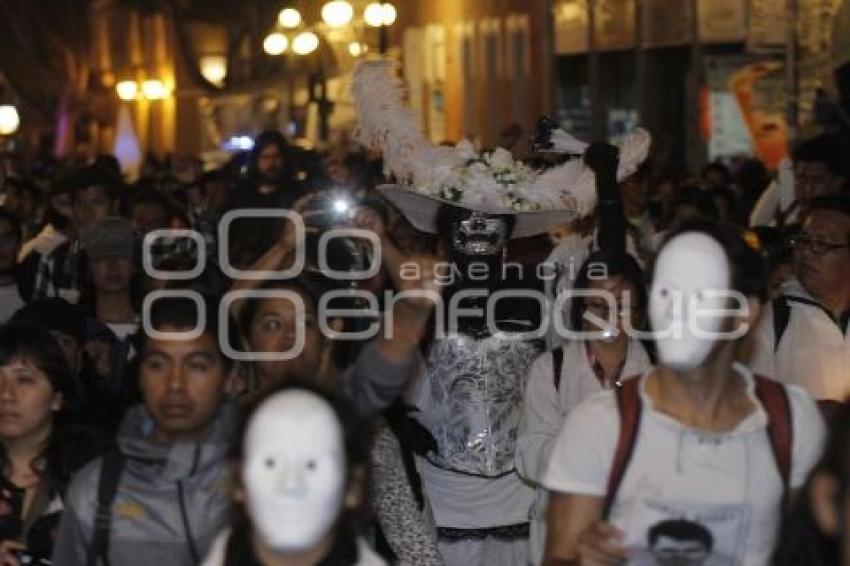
(170, 491)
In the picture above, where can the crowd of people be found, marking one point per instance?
(174, 399)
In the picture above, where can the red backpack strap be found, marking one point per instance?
(780, 429)
(629, 407)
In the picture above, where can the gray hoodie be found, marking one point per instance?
(373, 382)
(147, 522)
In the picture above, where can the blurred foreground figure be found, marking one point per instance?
(817, 531)
(301, 462)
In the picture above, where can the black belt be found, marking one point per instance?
(505, 533)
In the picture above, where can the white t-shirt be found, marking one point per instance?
(123, 329)
(814, 351)
(544, 410)
(724, 485)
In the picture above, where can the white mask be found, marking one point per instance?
(294, 470)
(692, 275)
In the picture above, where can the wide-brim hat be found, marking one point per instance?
(428, 176)
(421, 211)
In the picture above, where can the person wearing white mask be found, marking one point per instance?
(301, 464)
(692, 462)
(596, 358)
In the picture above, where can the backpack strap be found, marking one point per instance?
(557, 364)
(780, 430)
(630, 409)
(781, 317)
(110, 475)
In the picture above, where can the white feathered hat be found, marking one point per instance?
(428, 176)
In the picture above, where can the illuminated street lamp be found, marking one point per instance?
(275, 43)
(379, 14)
(127, 90)
(9, 120)
(154, 89)
(389, 13)
(337, 13)
(289, 18)
(214, 68)
(356, 49)
(305, 43)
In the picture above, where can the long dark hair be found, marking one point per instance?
(25, 342)
(262, 141)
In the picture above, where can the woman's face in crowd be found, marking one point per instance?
(112, 274)
(610, 292)
(274, 330)
(27, 400)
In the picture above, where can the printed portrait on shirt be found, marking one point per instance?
(686, 535)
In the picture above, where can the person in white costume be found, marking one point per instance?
(698, 455)
(469, 395)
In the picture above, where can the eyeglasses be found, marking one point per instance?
(817, 247)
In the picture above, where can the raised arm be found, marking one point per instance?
(603, 160)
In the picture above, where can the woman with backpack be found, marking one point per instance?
(695, 459)
(608, 302)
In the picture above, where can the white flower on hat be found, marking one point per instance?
(477, 169)
(501, 159)
(465, 150)
(482, 197)
(489, 181)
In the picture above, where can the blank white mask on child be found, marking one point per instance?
(294, 470)
(688, 299)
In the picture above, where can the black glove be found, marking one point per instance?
(542, 138)
(603, 159)
(412, 435)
